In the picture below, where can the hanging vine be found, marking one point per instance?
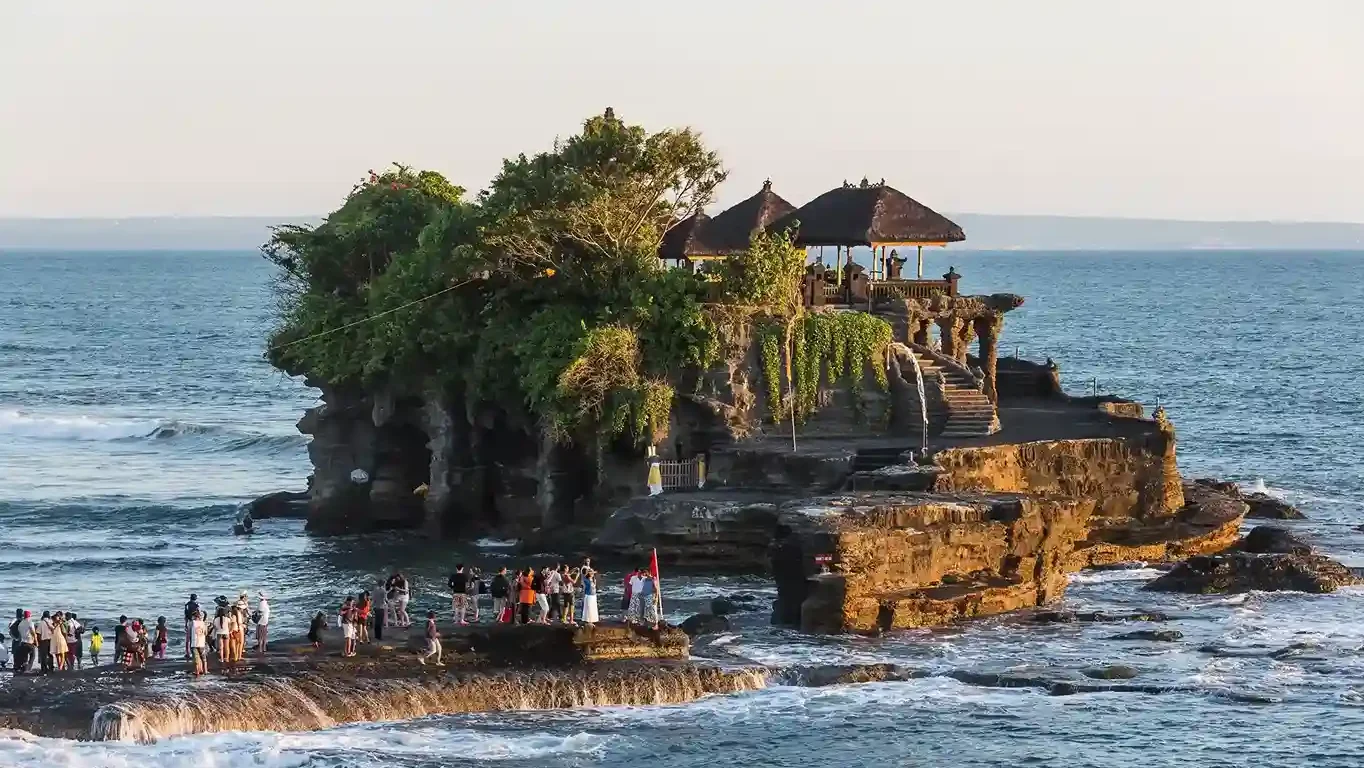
(832, 347)
(770, 355)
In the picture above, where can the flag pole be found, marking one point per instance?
(658, 583)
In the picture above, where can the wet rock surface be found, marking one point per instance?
(1068, 617)
(1268, 539)
(1110, 672)
(281, 504)
(1233, 572)
(1151, 635)
(1259, 505)
(705, 624)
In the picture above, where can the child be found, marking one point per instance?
(162, 638)
(96, 643)
(315, 630)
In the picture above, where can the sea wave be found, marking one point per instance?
(352, 746)
(87, 428)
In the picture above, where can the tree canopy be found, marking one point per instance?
(543, 293)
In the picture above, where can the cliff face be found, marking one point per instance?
(1131, 477)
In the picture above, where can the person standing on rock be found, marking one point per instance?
(648, 602)
(635, 613)
(499, 588)
(197, 638)
(45, 642)
(432, 641)
(58, 641)
(191, 610)
(398, 588)
(589, 580)
(474, 588)
(459, 594)
(221, 630)
(552, 607)
(362, 612)
(525, 589)
(262, 622)
(75, 632)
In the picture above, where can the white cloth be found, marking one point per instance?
(553, 580)
(198, 632)
(72, 627)
(26, 631)
(44, 630)
(347, 630)
(221, 626)
(264, 609)
(590, 609)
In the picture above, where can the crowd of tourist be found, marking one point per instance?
(557, 594)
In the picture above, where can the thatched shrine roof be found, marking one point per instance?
(684, 239)
(869, 214)
(732, 230)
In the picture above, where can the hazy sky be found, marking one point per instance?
(1239, 110)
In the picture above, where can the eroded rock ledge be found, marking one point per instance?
(904, 560)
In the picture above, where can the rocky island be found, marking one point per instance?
(583, 327)
(582, 359)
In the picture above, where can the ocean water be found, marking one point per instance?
(136, 413)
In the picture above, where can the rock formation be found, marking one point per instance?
(1268, 559)
(994, 528)
(1232, 572)
(1261, 505)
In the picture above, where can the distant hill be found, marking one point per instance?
(983, 232)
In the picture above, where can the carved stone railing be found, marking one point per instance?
(912, 289)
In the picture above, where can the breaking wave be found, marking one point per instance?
(86, 428)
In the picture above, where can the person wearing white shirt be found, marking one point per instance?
(198, 642)
(45, 660)
(262, 622)
(636, 610)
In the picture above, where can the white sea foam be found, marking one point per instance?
(18, 423)
(1114, 575)
(496, 543)
(372, 745)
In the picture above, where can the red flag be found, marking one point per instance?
(653, 565)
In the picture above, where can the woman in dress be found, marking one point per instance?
(59, 648)
(589, 582)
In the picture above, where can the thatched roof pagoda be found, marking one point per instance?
(869, 215)
(685, 239)
(732, 230)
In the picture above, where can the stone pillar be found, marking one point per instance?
(966, 334)
(920, 330)
(988, 328)
(949, 329)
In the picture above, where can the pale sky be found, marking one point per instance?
(1244, 109)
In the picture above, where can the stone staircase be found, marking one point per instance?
(969, 413)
